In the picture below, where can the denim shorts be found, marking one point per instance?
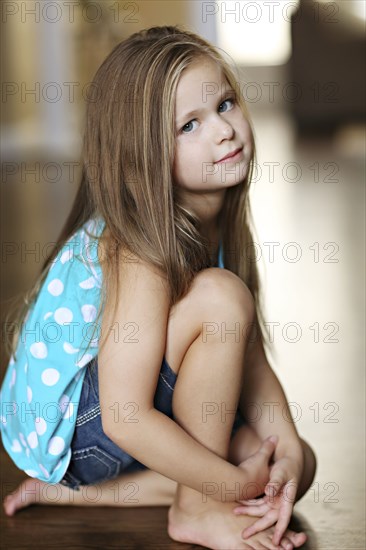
(94, 456)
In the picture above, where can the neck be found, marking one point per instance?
(208, 208)
(212, 234)
(211, 231)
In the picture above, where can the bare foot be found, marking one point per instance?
(215, 526)
(153, 490)
(35, 491)
(25, 494)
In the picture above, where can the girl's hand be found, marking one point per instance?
(257, 467)
(277, 504)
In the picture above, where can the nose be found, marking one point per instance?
(222, 129)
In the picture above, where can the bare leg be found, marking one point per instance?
(141, 488)
(208, 387)
(183, 329)
(216, 525)
(212, 373)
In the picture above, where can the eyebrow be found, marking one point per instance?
(199, 111)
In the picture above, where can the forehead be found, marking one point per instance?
(198, 82)
(203, 66)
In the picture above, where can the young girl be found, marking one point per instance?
(138, 359)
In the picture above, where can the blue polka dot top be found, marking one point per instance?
(42, 385)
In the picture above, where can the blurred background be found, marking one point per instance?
(302, 73)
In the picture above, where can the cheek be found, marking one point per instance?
(175, 170)
(182, 155)
(178, 172)
(176, 160)
(184, 168)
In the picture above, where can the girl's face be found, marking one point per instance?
(216, 129)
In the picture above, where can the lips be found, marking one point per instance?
(232, 154)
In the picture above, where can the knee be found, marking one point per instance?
(221, 289)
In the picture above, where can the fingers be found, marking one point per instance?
(284, 512)
(263, 523)
(252, 502)
(275, 483)
(277, 479)
(252, 507)
(269, 445)
(251, 510)
(281, 526)
(272, 439)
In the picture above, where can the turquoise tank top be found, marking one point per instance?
(41, 389)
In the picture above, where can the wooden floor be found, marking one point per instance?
(317, 306)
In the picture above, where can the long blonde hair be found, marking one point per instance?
(128, 154)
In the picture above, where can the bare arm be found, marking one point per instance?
(128, 375)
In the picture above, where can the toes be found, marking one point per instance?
(286, 544)
(300, 539)
(261, 541)
(297, 539)
(259, 546)
(270, 545)
(9, 508)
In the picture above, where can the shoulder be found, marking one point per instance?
(130, 266)
(141, 292)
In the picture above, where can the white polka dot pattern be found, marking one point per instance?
(69, 349)
(55, 287)
(16, 448)
(41, 389)
(50, 377)
(39, 350)
(41, 425)
(89, 313)
(56, 445)
(87, 283)
(63, 315)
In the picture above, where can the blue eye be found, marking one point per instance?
(188, 123)
(231, 99)
(228, 99)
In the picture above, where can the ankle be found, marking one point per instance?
(189, 500)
